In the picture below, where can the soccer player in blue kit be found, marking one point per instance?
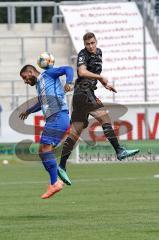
(51, 100)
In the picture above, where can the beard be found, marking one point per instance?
(33, 81)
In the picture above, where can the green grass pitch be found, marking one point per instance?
(106, 202)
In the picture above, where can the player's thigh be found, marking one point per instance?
(101, 115)
(55, 129)
(45, 148)
(76, 129)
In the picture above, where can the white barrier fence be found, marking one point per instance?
(130, 125)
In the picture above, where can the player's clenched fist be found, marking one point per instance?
(68, 87)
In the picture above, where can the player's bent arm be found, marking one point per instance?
(69, 74)
(64, 70)
(83, 72)
(35, 108)
(23, 115)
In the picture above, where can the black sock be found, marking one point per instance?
(66, 152)
(110, 135)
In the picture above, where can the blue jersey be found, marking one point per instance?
(51, 96)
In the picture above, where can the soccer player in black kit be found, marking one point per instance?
(89, 68)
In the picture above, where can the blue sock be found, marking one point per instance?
(49, 162)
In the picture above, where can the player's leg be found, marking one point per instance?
(54, 130)
(75, 131)
(47, 156)
(104, 119)
(79, 120)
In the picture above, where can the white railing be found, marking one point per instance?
(36, 9)
(23, 41)
(12, 6)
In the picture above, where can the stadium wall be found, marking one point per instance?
(130, 126)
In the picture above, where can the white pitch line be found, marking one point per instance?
(80, 180)
(156, 176)
(23, 182)
(113, 179)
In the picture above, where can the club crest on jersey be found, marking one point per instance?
(81, 59)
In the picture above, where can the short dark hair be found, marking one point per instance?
(26, 68)
(88, 36)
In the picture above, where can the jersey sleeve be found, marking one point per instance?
(100, 53)
(81, 59)
(35, 108)
(57, 72)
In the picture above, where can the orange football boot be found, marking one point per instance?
(52, 189)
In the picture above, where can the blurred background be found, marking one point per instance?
(127, 33)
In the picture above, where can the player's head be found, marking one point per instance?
(90, 42)
(29, 74)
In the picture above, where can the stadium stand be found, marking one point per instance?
(21, 43)
(151, 18)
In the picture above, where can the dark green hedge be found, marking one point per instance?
(23, 14)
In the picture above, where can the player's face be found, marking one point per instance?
(29, 78)
(91, 45)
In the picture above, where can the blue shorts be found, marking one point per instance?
(55, 128)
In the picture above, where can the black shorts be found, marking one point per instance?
(83, 103)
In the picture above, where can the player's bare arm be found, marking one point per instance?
(83, 72)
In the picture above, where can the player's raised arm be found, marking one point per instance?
(64, 70)
(83, 72)
(69, 74)
(60, 71)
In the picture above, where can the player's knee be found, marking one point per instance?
(74, 135)
(104, 119)
(45, 148)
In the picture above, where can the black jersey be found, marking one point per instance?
(93, 63)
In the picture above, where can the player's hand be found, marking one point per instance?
(23, 115)
(68, 87)
(110, 88)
